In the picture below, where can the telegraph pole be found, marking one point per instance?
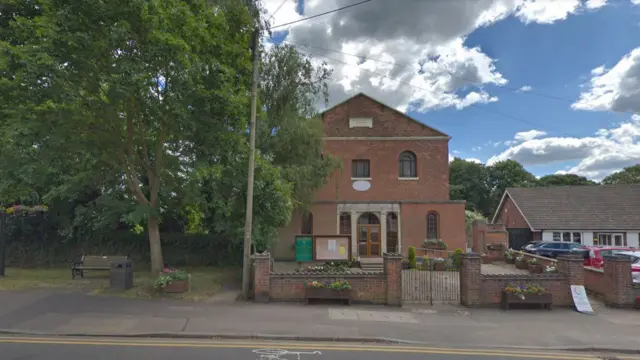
(3, 243)
(246, 261)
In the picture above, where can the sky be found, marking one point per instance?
(553, 84)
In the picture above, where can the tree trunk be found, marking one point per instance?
(157, 262)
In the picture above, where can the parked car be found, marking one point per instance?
(635, 264)
(554, 248)
(530, 246)
(594, 254)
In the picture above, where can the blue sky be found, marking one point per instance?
(581, 117)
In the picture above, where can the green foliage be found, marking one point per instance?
(339, 285)
(470, 217)
(166, 278)
(469, 181)
(563, 180)
(629, 175)
(456, 258)
(435, 243)
(412, 257)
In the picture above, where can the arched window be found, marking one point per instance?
(432, 225)
(307, 224)
(407, 165)
(345, 223)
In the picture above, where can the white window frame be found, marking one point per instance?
(612, 239)
(356, 122)
(558, 236)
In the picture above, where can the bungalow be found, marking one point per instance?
(589, 215)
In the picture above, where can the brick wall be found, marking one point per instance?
(619, 283)
(555, 284)
(510, 216)
(544, 261)
(477, 289)
(484, 234)
(374, 288)
(594, 280)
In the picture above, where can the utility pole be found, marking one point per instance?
(3, 243)
(246, 261)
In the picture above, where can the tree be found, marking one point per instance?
(289, 131)
(629, 175)
(505, 174)
(564, 179)
(468, 181)
(123, 94)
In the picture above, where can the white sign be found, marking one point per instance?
(332, 245)
(361, 185)
(581, 300)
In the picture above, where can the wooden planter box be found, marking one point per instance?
(535, 269)
(327, 294)
(435, 247)
(544, 300)
(486, 260)
(176, 287)
(494, 247)
(439, 266)
(521, 265)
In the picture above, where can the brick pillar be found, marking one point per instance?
(393, 274)
(470, 281)
(617, 275)
(572, 267)
(262, 277)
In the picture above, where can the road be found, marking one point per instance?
(64, 348)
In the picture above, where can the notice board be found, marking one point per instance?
(304, 248)
(332, 247)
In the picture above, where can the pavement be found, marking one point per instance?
(45, 313)
(49, 348)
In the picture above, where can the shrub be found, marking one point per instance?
(412, 257)
(456, 258)
(167, 277)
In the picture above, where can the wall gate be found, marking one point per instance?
(432, 286)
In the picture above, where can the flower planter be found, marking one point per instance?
(435, 247)
(176, 287)
(324, 293)
(486, 260)
(439, 266)
(495, 247)
(521, 264)
(535, 269)
(508, 299)
(509, 260)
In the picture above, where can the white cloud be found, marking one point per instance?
(477, 161)
(529, 135)
(635, 2)
(596, 4)
(599, 70)
(525, 88)
(420, 42)
(599, 155)
(615, 89)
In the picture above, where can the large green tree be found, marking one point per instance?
(505, 174)
(629, 175)
(564, 179)
(122, 94)
(469, 181)
(289, 131)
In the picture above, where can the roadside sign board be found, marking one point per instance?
(580, 299)
(304, 248)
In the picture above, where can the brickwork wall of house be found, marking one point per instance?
(387, 122)
(324, 223)
(510, 216)
(432, 169)
(451, 225)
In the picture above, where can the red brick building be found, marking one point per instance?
(392, 191)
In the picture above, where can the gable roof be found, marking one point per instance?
(588, 207)
(440, 133)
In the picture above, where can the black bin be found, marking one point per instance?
(121, 275)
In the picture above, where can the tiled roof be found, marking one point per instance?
(602, 207)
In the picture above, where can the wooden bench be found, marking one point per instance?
(99, 263)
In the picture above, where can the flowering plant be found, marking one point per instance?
(340, 285)
(521, 256)
(522, 290)
(534, 261)
(550, 269)
(315, 284)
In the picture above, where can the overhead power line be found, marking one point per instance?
(501, 87)
(278, 9)
(321, 14)
(433, 92)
